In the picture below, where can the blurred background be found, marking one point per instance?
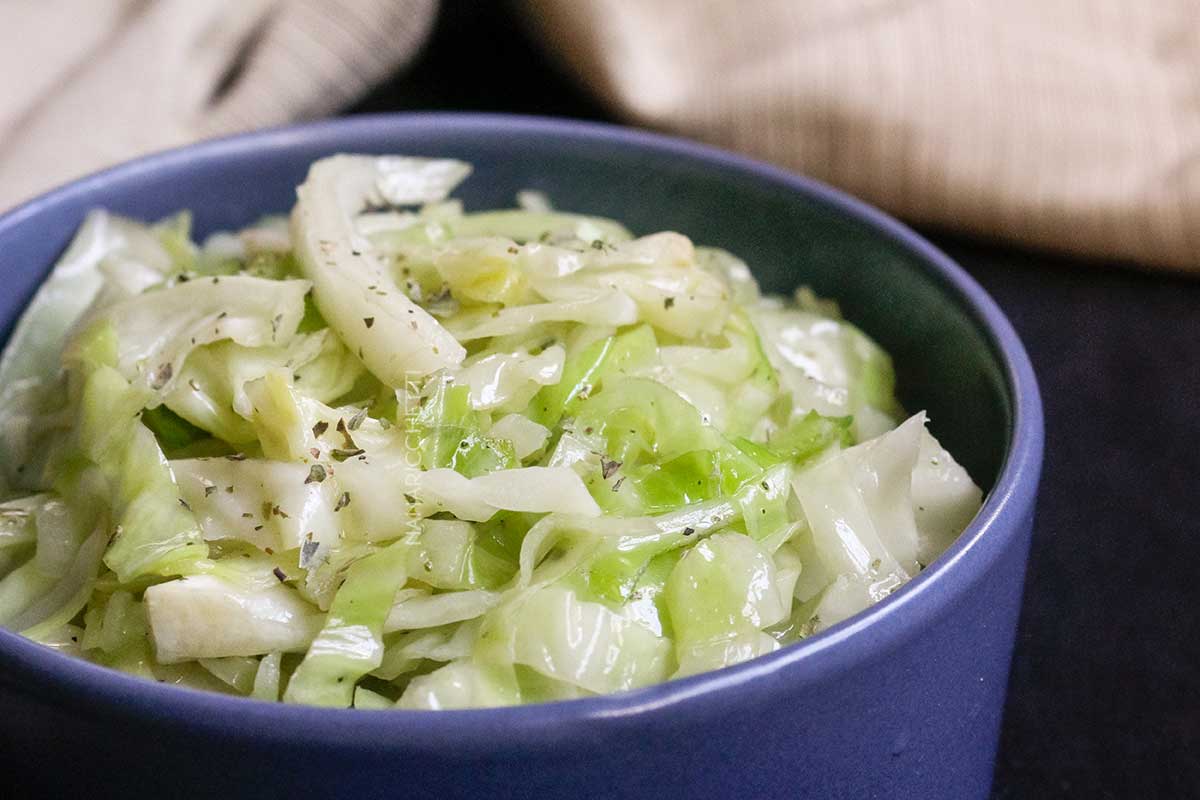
(1051, 146)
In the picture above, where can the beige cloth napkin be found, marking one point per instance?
(88, 83)
(1072, 125)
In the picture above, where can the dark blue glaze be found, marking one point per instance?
(903, 700)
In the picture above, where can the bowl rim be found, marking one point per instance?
(79, 686)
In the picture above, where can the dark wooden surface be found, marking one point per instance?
(1104, 700)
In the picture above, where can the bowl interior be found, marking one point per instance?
(945, 363)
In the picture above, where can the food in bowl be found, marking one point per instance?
(389, 453)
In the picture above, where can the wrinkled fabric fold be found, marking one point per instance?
(90, 83)
(1071, 125)
(1067, 125)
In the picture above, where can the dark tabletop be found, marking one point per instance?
(1104, 699)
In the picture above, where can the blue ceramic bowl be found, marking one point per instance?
(903, 700)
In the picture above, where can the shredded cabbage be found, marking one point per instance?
(388, 453)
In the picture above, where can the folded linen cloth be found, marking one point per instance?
(1067, 124)
(1072, 125)
(88, 83)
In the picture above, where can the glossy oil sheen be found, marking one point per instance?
(903, 700)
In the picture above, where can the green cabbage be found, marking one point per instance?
(395, 337)
(546, 629)
(385, 453)
(720, 596)
(351, 642)
(154, 530)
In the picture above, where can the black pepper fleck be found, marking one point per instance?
(160, 376)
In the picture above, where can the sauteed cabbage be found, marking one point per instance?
(387, 453)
